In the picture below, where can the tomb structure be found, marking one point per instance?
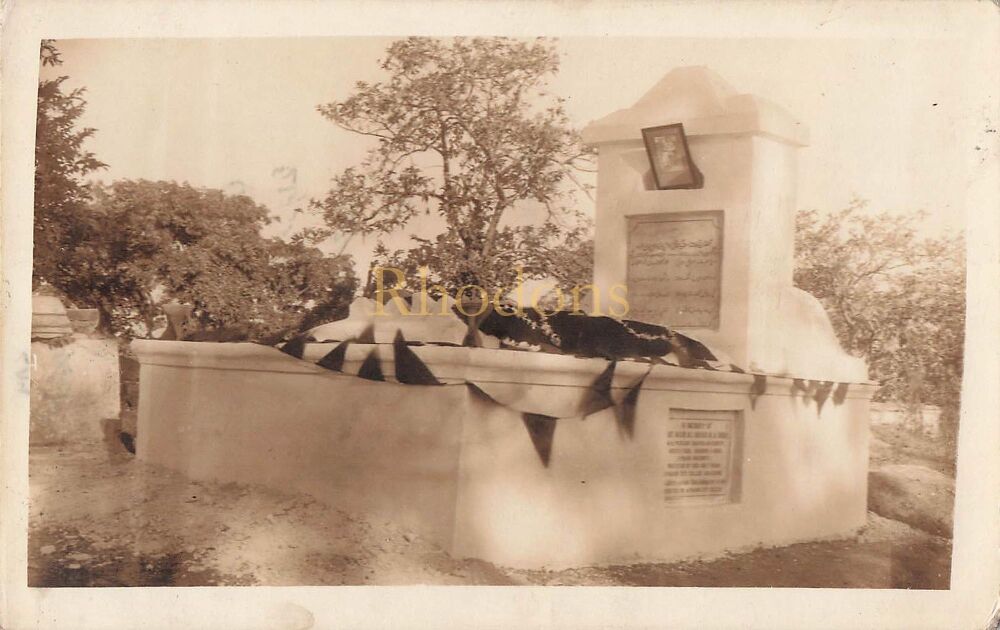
(704, 461)
(74, 374)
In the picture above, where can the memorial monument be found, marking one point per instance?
(717, 261)
(500, 458)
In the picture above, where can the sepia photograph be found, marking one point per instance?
(669, 157)
(526, 310)
(273, 382)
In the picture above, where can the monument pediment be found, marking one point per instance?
(705, 103)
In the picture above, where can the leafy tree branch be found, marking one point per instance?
(464, 129)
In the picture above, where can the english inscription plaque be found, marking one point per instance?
(675, 268)
(702, 462)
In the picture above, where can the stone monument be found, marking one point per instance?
(74, 373)
(714, 262)
(706, 461)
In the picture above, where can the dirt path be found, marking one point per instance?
(101, 518)
(114, 522)
(886, 554)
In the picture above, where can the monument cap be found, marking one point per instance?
(706, 104)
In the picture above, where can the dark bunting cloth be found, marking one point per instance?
(522, 330)
(595, 336)
(537, 330)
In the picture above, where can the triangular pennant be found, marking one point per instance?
(479, 393)
(410, 369)
(840, 393)
(799, 386)
(170, 334)
(367, 335)
(296, 346)
(371, 369)
(804, 388)
(822, 393)
(472, 339)
(541, 430)
(598, 395)
(625, 412)
(758, 389)
(334, 360)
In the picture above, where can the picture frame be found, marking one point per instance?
(670, 158)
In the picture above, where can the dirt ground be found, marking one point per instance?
(101, 518)
(898, 445)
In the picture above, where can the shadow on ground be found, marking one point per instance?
(101, 518)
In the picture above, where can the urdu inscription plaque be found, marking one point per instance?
(675, 268)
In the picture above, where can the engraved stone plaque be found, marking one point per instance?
(702, 457)
(675, 268)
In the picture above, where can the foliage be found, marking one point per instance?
(144, 243)
(60, 166)
(129, 247)
(464, 129)
(895, 298)
(565, 257)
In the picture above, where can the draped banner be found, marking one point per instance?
(527, 330)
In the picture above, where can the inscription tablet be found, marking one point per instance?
(702, 465)
(675, 268)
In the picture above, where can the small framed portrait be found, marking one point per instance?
(670, 158)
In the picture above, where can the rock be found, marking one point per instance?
(73, 566)
(79, 556)
(48, 549)
(918, 496)
(408, 537)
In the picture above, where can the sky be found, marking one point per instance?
(240, 114)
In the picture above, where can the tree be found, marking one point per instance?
(60, 166)
(144, 243)
(466, 130)
(894, 298)
(128, 247)
(564, 256)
